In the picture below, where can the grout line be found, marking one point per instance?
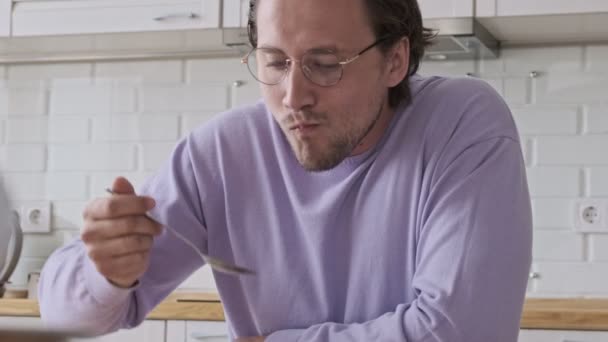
(585, 65)
(583, 120)
(587, 248)
(584, 181)
(93, 72)
(184, 63)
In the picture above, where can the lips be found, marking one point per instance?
(303, 125)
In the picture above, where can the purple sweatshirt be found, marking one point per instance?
(425, 237)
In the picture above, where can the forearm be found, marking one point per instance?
(74, 296)
(416, 322)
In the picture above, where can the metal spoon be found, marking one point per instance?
(215, 263)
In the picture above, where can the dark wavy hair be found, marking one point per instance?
(389, 18)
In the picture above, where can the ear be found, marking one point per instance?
(399, 62)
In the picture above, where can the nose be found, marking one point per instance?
(298, 91)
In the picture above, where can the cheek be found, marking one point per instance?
(272, 96)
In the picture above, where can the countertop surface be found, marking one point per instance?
(545, 313)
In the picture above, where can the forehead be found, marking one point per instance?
(303, 25)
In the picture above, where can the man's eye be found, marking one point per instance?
(324, 66)
(276, 64)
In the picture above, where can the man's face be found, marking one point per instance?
(323, 125)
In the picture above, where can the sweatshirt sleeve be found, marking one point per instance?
(73, 295)
(473, 257)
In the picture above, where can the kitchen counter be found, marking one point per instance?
(178, 306)
(567, 314)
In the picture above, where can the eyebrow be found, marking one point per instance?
(317, 49)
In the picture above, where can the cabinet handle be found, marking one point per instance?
(203, 337)
(190, 15)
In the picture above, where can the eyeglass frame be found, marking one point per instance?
(290, 61)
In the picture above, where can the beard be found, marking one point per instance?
(315, 156)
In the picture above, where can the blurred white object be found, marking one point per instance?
(11, 240)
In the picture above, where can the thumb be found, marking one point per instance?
(122, 186)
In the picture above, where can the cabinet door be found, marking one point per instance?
(5, 17)
(21, 323)
(206, 332)
(236, 13)
(489, 8)
(149, 331)
(446, 8)
(39, 17)
(562, 336)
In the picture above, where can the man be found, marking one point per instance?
(373, 204)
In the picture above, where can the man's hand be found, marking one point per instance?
(118, 235)
(251, 339)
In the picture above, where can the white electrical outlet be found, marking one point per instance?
(35, 217)
(590, 216)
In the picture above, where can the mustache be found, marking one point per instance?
(304, 116)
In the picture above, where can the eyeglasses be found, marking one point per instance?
(270, 66)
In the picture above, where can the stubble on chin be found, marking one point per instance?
(314, 157)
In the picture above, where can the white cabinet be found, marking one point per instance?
(562, 336)
(490, 8)
(197, 331)
(59, 17)
(5, 18)
(149, 331)
(236, 13)
(446, 8)
(20, 323)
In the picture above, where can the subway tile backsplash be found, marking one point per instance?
(66, 130)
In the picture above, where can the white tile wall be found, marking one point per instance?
(558, 246)
(205, 97)
(23, 99)
(91, 99)
(597, 57)
(552, 213)
(572, 150)
(598, 182)
(136, 128)
(67, 130)
(23, 158)
(597, 120)
(597, 248)
(546, 121)
(554, 181)
(38, 72)
(146, 71)
(92, 157)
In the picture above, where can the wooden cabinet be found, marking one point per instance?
(562, 336)
(491, 8)
(60, 17)
(197, 331)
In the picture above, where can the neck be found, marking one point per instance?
(375, 131)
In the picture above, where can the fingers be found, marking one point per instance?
(122, 185)
(113, 228)
(125, 269)
(117, 206)
(103, 250)
(118, 234)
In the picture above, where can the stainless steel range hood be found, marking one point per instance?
(457, 38)
(461, 38)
